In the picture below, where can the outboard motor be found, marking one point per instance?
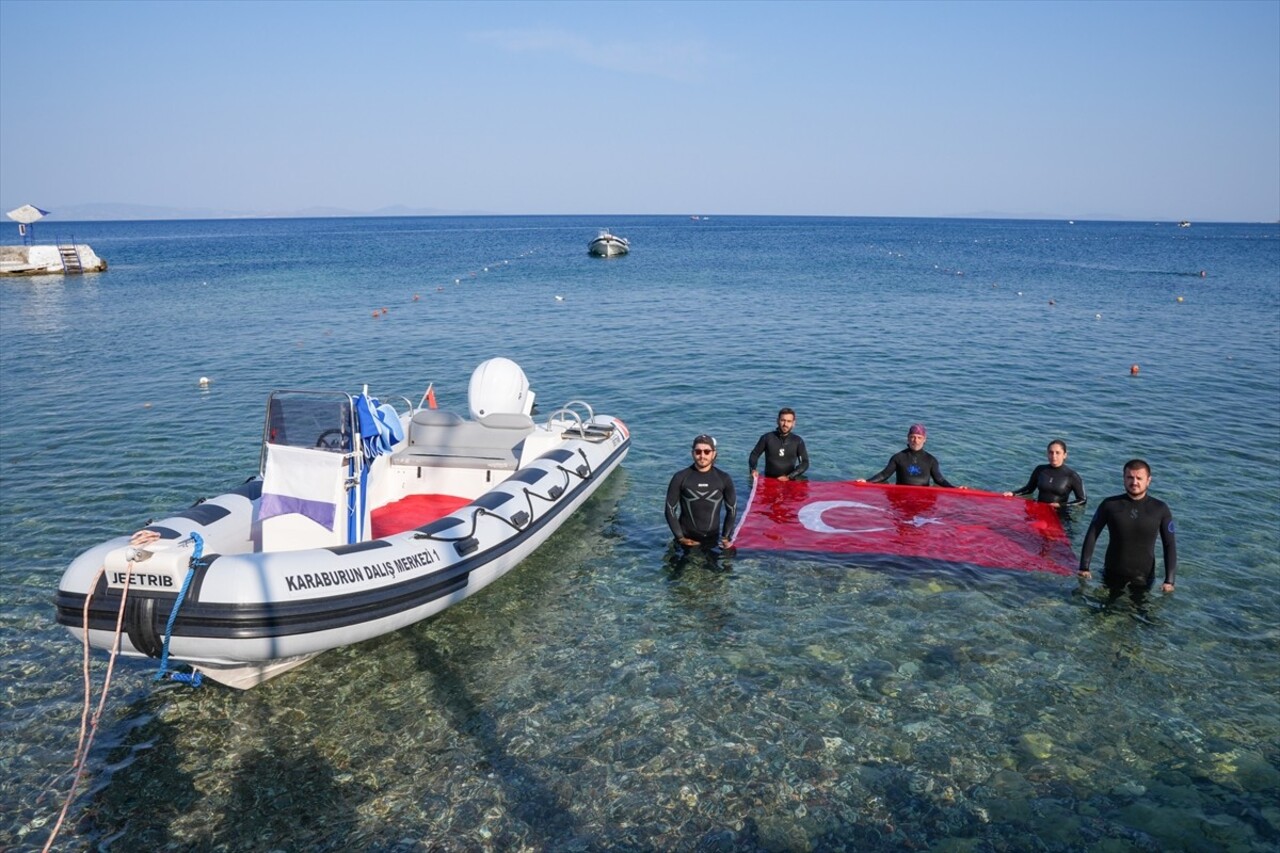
(499, 385)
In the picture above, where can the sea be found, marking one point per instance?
(608, 694)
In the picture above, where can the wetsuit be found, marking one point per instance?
(784, 455)
(1056, 485)
(694, 503)
(1131, 551)
(913, 468)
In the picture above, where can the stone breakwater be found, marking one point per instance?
(43, 260)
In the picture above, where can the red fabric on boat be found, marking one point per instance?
(413, 511)
(921, 522)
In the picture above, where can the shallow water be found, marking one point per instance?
(604, 696)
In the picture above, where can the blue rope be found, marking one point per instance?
(193, 679)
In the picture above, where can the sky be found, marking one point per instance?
(1090, 110)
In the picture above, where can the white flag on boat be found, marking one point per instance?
(308, 482)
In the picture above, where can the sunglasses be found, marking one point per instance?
(702, 451)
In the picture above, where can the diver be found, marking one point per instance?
(913, 466)
(1133, 520)
(702, 503)
(1056, 483)
(785, 456)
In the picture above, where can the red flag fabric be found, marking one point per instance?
(913, 522)
(431, 396)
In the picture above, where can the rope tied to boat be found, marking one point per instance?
(89, 724)
(555, 492)
(475, 517)
(194, 678)
(583, 472)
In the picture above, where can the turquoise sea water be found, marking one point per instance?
(601, 697)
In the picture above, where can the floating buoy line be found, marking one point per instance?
(944, 269)
(382, 311)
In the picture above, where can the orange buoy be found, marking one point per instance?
(1133, 370)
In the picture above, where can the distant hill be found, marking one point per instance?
(101, 211)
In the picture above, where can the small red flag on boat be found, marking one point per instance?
(905, 525)
(431, 396)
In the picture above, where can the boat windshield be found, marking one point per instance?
(318, 420)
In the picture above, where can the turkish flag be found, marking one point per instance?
(913, 522)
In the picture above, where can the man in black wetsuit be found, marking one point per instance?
(697, 498)
(785, 456)
(912, 465)
(1057, 484)
(1133, 520)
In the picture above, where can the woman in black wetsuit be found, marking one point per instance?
(1056, 483)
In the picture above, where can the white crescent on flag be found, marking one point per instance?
(810, 515)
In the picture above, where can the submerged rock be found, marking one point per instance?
(1036, 745)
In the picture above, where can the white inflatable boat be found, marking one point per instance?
(362, 520)
(608, 245)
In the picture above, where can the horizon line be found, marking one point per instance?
(984, 216)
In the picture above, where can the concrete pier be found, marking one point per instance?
(45, 260)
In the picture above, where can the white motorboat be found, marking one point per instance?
(362, 520)
(607, 245)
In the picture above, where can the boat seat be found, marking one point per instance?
(444, 440)
(424, 421)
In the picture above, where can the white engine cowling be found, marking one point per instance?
(499, 385)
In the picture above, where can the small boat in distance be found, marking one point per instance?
(1184, 224)
(361, 520)
(608, 245)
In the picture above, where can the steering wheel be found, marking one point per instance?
(330, 439)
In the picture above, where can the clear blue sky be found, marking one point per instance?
(1132, 110)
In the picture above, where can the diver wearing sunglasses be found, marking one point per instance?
(702, 503)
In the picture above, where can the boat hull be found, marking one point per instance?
(248, 615)
(608, 247)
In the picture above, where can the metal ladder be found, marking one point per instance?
(71, 264)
